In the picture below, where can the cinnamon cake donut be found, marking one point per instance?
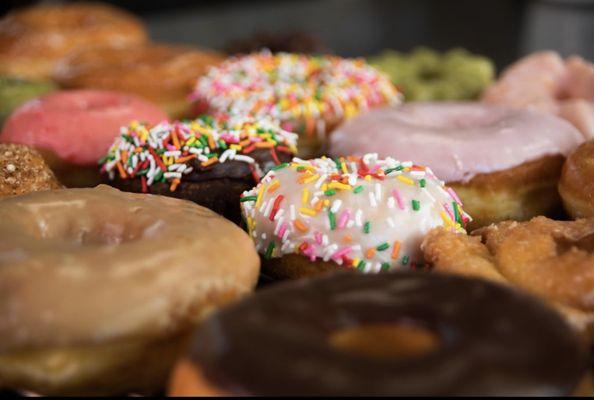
(396, 334)
(99, 289)
(34, 39)
(503, 163)
(309, 95)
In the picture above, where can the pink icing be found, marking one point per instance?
(456, 140)
(79, 125)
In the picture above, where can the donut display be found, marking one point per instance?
(551, 259)
(73, 129)
(426, 75)
(577, 182)
(546, 82)
(161, 73)
(309, 95)
(120, 318)
(369, 214)
(23, 170)
(316, 338)
(259, 201)
(34, 39)
(209, 161)
(16, 91)
(504, 163)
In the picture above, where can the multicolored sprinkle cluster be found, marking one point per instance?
(168, 151)
(366, 213)
(304, 92)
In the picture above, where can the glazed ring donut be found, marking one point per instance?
(161, 73)
(23, 170)
(577, 182)
(426, 75)
(101, 287)
(309, 95)
(503, 163)
(551, 259)
(546, 82)
(34, 39)
(74, 128)
(396, 334)
(365, 213)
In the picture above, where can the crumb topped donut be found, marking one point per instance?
(310, 95)
(551, 259)
(209, 161)
(23, 170)
(398, 334)
(34, 39)
(365, 213)
(100, 287)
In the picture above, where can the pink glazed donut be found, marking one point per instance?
(503, 163)
(546, 82)
(74, 129)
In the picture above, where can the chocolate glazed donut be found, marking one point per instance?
(491, 340)
(217, 186)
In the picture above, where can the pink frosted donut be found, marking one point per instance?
(546, 82)
(74, 129)
(503, 162)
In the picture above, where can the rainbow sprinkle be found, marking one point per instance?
(303, 92)
(169, 151)
(359, 212)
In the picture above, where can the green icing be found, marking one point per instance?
(425, 74)
(16, 91)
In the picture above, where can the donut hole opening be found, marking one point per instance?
(386, 341)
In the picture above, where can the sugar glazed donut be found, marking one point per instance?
(551, 259)
(577, 182)
(208, 161)
(161, 73)
(309, 95)
(134, 274)
(307, 217)
(23, 170)
(34, 39)
(396, 334)
(73, 129)
(546, 82)
(503, 163)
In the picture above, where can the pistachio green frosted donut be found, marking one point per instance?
(15, 91)
(426, 75)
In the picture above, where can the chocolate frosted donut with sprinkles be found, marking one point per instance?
(371, 214)
(209, 161)
(309, 95)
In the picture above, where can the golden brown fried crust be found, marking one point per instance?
(164, 74)
(577, 182)
(518, 193)
(23, 170)
(551, 259)
(295, 266)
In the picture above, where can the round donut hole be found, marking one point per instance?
(386, 340)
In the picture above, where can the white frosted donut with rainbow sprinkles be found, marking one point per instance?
(365, 213)
(310, 95)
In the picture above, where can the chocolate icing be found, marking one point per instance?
(217, 187)
(493, 340)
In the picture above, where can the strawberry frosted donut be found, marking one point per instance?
(74, 129)
(504, 163)
(546, 82)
